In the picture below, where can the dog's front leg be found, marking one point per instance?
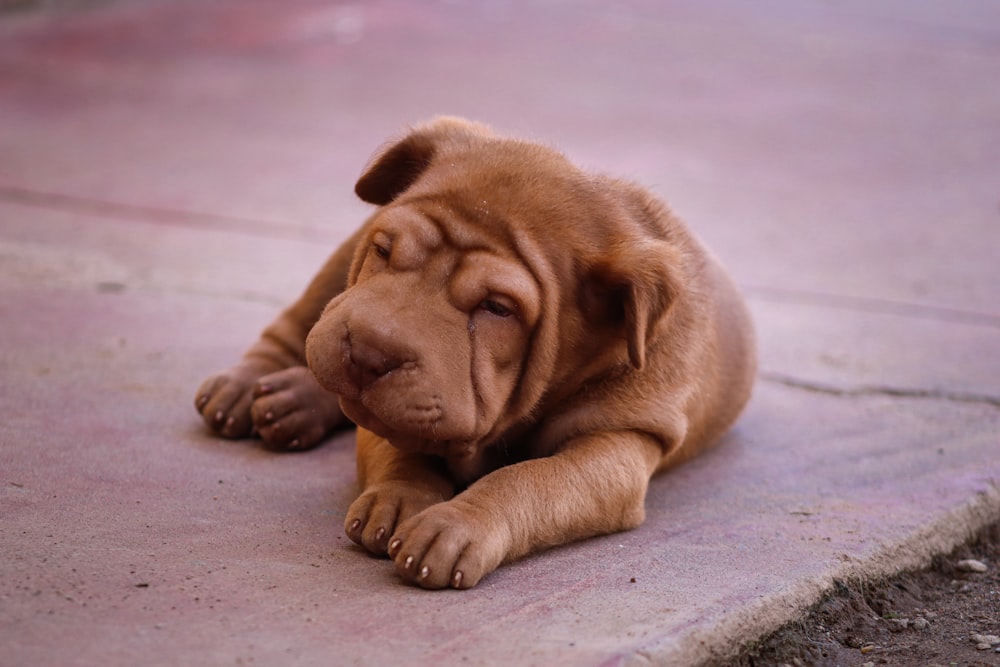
(594, 485)
(395, 485)
(271, 389)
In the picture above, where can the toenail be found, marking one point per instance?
(294, 443)
(394, 546)
(424, 572)
(268, 416)
(408, 563)
(456, 581)
(219, 416)
(355, 525)
(230, 421)
(380, 533)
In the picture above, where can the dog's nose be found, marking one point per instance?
(367, 363)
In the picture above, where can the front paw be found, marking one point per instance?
(450, 544)
(374, 516)
(292, 411)
(224, 400)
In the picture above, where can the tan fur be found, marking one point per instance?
(523, 345)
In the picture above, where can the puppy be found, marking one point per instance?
(521, 344)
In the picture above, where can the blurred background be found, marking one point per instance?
(818, 146)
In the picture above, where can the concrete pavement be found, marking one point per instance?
(171, 173)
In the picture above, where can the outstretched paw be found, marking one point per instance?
(374, 516)
(291, 411)
(224, 400)
(449, 544)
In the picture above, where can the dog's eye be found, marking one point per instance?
(381, 250)
(494, 307)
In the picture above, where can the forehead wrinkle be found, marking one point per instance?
(412, 234)
(443, 206)
(421, 227)
(464, 227)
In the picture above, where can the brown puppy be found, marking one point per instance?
(522, 345)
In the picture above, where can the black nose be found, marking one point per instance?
(367, 363)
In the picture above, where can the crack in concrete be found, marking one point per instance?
(878, 390)
(872, 305)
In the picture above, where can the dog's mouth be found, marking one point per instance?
(418, 402)
(419, 434)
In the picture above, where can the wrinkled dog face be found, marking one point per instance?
(427, 345)
(494, 275)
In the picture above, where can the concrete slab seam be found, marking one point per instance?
(878, 390)
(871, 305)
(156, 214)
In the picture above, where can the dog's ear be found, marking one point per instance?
(396, 167)
(631, 289)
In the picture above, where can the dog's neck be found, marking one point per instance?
(469, 464)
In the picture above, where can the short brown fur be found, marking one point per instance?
(523, 345)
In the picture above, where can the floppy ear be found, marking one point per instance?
(394, 169)
(632, 288)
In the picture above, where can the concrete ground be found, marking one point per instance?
(171, 173)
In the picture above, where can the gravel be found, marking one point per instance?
(971, 565)
(946, 615)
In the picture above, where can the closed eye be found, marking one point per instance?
(494, 307)
(381, 250)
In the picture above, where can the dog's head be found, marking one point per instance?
(494, 279)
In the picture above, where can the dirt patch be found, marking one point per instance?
(941, 616)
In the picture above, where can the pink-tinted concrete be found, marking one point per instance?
(172, 172)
